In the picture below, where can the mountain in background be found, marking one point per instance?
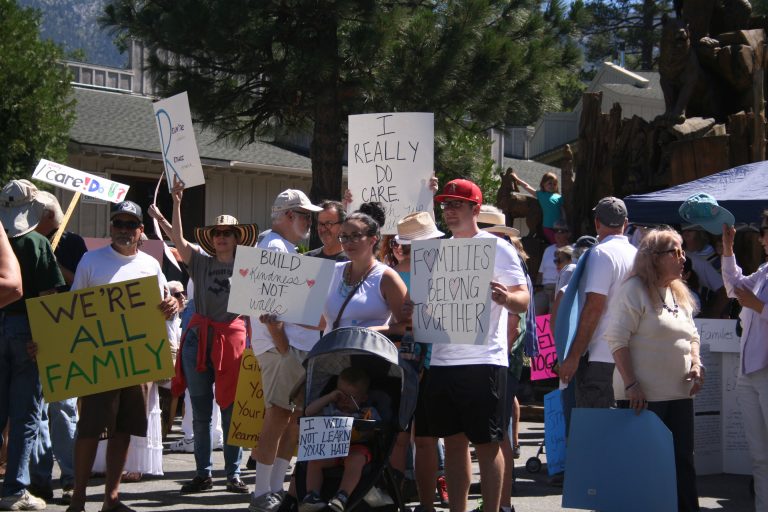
(73, 24)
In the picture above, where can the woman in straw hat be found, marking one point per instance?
(214, 340)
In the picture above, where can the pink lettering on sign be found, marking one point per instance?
(541, 365)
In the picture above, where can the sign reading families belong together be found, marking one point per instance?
(100, 338)
(391, 160)
(450, 288)
(290, 286)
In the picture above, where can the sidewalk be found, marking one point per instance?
(532, 492)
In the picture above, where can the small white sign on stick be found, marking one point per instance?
(450, 288)
(324, 437)
(391, 160)
(177, 141)
(291, 286)
(719, 334)
(78, 181)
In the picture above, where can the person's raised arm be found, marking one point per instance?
(10, 273)
(523, 184)
(177, 233)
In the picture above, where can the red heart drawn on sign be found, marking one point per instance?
(310, 282)
(243, 272)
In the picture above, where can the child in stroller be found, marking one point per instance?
(348, 399)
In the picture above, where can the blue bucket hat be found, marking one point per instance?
(702, 209)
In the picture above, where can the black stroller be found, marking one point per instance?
(392, 392)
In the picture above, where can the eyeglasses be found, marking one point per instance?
(678, 252)
(454, 204)
(125, 224)
(305, 215)
(222, 232)
(179, 295)
(353, 238)
(394, 243)
(327, 225)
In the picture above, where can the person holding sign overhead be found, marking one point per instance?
(211, 347)
(463, 392)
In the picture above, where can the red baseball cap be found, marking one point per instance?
(460, 189)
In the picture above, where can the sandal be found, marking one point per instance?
(131, 476)
(119, 507)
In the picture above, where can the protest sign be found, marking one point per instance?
(391, 160)
(100, 338)
(554, 432)
(249, 409)
(291, 286)
(324, 437)
(177, 141)
(78, 181)
(450, 288)
(541, 365)
(719, 334)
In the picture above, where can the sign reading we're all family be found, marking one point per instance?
(290, 286)
(100, 338)
(450, 288)
(248, 412)
(177, 141)
(391, 160)
(78, 181)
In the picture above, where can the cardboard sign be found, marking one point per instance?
(391, 160)
(100, 338)
(719, 334)
(78, 181)
(554, 432)
(248, 412)
(450, 289)
(177, 141)
(541, 365)
(324, 437)
(291, 286)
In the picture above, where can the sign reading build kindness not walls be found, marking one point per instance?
(100, 338)
(391, 160)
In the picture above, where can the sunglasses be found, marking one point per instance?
(327, 225)
(178, 295)
(306, 215)
(353, 238)
(222, 232)
(678, 252)
(454, 204)
(561, 231)
(125, 224)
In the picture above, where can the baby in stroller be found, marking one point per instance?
(348, 399)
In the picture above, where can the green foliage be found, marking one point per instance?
(36, 107)
(462, 154)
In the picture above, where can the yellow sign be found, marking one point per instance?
(100, 338)
(249, 409)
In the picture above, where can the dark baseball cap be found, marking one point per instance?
(611, 211)
(128, 208)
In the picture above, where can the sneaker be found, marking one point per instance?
(339, 502)
(442, 491)
(312, 502)
(237, 486)
(184, 445)
(197, 484)
(516, 451)
(66, 494)
(45, 493)
(268, 502)
(23, 501)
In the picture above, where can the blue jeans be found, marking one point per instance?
(21, 399)
(56, 437)
(200, 389)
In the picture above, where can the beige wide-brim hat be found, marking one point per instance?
(498, 223)
(20, 210)
(247, 234)
(417, 226)
(504, 230)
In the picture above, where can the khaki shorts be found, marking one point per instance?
(121, 410)
(280, 373)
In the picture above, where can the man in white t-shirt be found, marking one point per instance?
(281, 349)
(462, 397)
(589, 360)
(548, 272)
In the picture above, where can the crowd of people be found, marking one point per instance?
(635, 345)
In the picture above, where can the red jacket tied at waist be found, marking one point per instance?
(228, 345)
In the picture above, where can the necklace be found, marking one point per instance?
(345, 287)
(674, 310)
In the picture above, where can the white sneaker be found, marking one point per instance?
(184, 445)
(25, 501)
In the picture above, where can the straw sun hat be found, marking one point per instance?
(247, 234)
(495, 222)
(417, 226)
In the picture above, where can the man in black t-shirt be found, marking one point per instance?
(328, 226)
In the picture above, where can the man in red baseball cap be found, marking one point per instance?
(463, 397)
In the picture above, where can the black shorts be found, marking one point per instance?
(468, 399)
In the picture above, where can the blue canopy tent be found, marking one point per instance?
(742, 190)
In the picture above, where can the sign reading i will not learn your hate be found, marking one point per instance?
(177, 141)
(450, 288)
(324, 437)
(248, 413)
(78, 181)
(290, 286)
(100, 338)
(391, 160)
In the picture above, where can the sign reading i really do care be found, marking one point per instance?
(100, 338)
(391, 160)
(177, 141)
(79, 181)
(291, 286)
(450, 288)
